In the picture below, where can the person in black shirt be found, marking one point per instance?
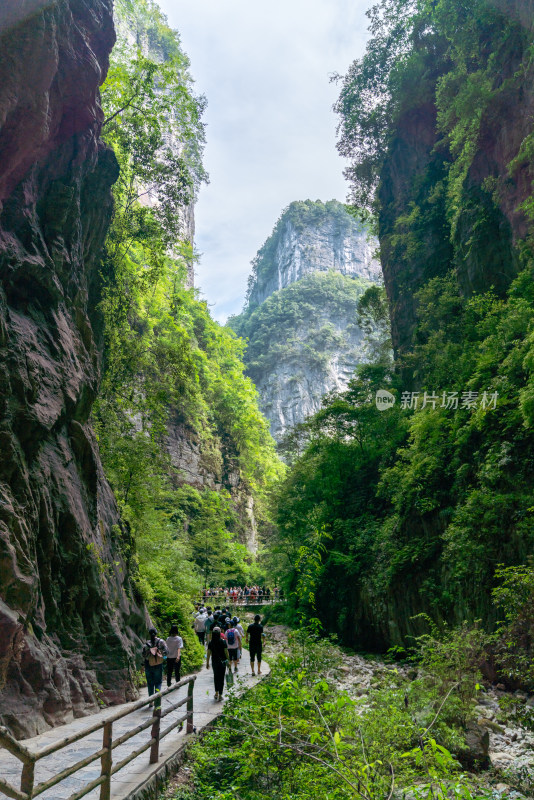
(218, 653)
(255, 636)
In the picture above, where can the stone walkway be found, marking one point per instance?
(138, 771)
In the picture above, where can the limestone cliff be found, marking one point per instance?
(67, 615)
(311, 237)
(304, 340)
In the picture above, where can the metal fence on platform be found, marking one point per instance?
(29, 758)
(228, 600)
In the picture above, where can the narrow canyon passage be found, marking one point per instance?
(236, 380)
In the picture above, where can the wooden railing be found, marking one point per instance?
(28, 790)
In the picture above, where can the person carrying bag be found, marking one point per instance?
(154, 654)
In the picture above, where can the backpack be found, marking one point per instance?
(230, 636)
(155, 658)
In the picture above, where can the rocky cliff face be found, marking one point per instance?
(308, 238)
(67, 616)
(211, 468)
(301, 319)
(320, 357)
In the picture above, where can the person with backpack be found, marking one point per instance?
(174, 654)
(209, 623)
(233, 643)
(154, 653)
(255, 636)
(236, 622)
(218, 654)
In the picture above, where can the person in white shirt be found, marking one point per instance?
(239, 628)
(174, 657)
(199, 625)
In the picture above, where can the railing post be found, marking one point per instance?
(190, 688)
(106, 762)
(27, 778)
(154, 734)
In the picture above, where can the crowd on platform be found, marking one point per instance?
(244, 595)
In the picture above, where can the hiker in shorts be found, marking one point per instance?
(233, 643)
(254, 639)
(154, 652)
(174, 654)
(236, 623)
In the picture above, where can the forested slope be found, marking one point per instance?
(418, 505)
(183, 443)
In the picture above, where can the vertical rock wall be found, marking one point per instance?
(301, 321)
(67, 617)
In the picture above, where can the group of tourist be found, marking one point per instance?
(221, 634)
(225, 638)
(244, 594)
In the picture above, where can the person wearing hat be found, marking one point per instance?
(154, 652)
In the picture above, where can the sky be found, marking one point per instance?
(265, 70)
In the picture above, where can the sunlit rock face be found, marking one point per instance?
(301, 318)
(308, 243)
(137, 30)
(294, 387)
(68, 620)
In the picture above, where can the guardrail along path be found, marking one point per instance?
(107, 756)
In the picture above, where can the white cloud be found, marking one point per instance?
(264, 68)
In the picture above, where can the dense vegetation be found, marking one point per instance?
(388, 514)
(300, 734)
(307, 322)
(167, 364)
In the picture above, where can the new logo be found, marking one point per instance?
(384, 400)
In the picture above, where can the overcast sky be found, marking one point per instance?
(264, 68)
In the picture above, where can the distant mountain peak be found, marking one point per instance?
(312, 236)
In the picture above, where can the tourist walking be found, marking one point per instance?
(254, 639)
(199, 625)
(218, 653)
(236, 622)
(174, 654)
(154, 652)
(209, 623)
(233, 643)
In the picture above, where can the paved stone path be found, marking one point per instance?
(138, 770)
